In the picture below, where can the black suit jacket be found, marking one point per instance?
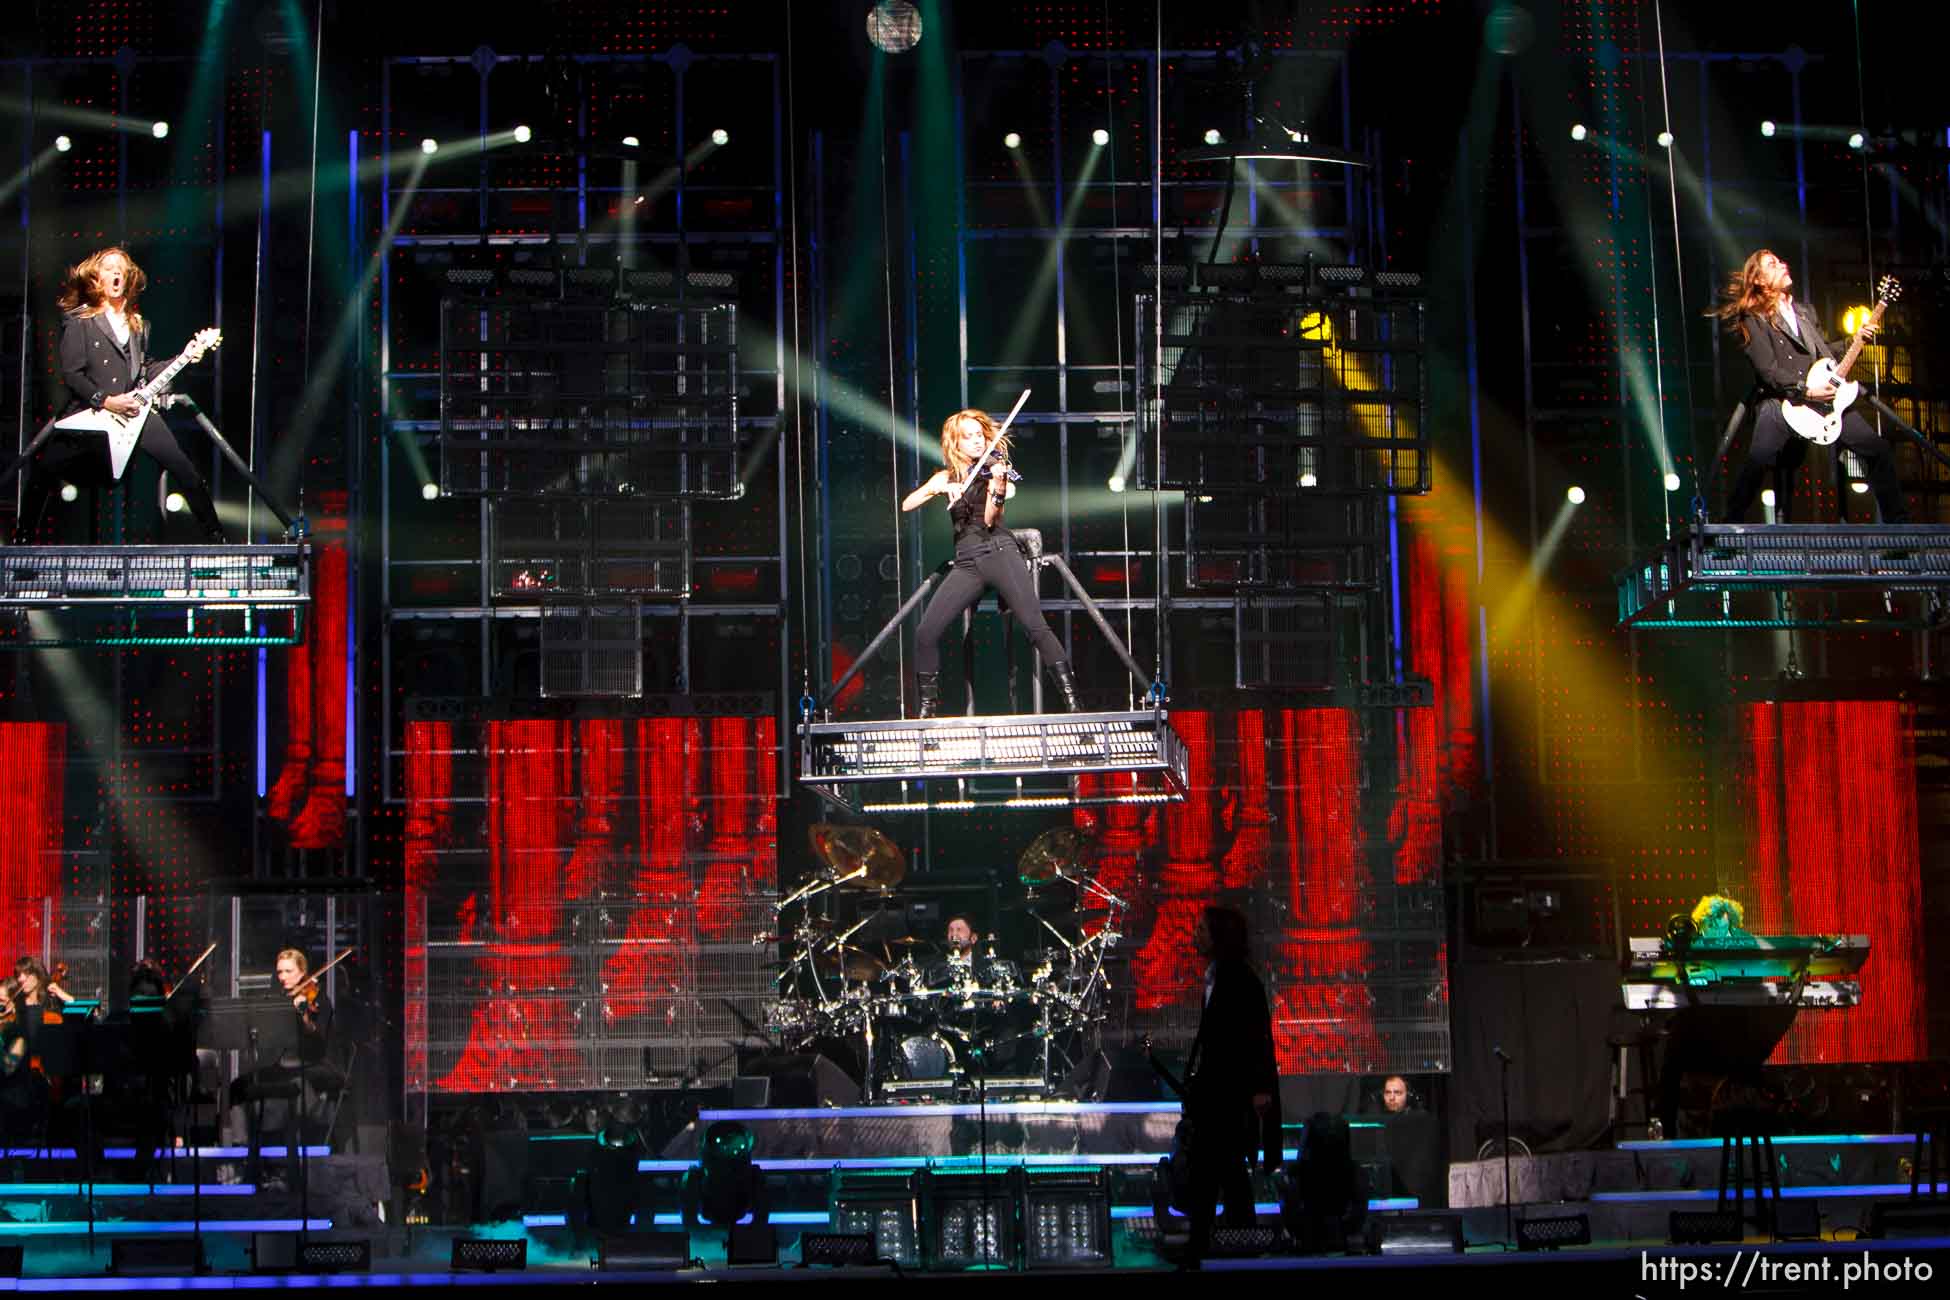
(95, 367)
(1781, 361)
(1232, 1061)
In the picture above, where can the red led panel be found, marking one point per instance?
(34, 757)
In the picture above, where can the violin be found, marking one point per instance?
(50, 1009)
(307, 991)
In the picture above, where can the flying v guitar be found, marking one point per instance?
(124, 431)
(1820, 422)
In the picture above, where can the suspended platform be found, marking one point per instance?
(129, 596)
(1730, 576)
(1004, 761)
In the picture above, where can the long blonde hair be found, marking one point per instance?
(81, 292)
(958, 464)
(1744, 295)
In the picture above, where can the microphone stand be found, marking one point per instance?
(1509, 1210)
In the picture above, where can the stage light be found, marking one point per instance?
(175, 504)
(1855, 318)
(1672, 481)
(1309, 479)
(1116, 483)
(69, 492)
(1100, 137)
(1574, 494)
(1665, 139)
(429, 145)
(1578, 132)
(62, 144)
(726, 1185)
(1012, 141)
(430, 491)
(630, 142)
(1857, 140)
(523, 135)
(1205, 500)
(1767, 497)
(159, 129)
(721, 137)
(894, 26)
(1858, 487)
(1212, 136)
(1767, 129)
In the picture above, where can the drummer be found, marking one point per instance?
(959, 939)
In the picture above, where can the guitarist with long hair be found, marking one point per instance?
(104, 360)
(1232, 1083)
(1783, 340)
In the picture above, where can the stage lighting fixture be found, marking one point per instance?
(1309, 479)
(1574, 494)
(174, 503)
(1212, 136)
(1322, 1196)
(631, 142)
(1578, 132)
(69, 492)
(1116, 483)
(430, 491)
(62, 144)
(159, 129)
(726, 1185)
(612, 1179)
(1552, 1233)
(894, 26)
(1204, 500)
(1100, 137)
(838, 1249)
(1767, 497)
(883, 1205)
(1066, 1218)
(1672, 481)
(1857, 140)
(721, 137)
(1858, 487)
(1665, 139)
(429, 145)
(488, 1254)
(523, 135)
(1012, 141)
(1767, 129)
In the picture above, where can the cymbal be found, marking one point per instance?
(1061, 851)
(851, 962)
(908, 941)
(858, 857)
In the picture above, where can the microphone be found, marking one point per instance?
(1502, 1055)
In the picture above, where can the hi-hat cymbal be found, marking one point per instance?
(1060, 852)
(858, 857)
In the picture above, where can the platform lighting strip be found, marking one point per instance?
(809, 1218)
(1797, 1140)
(1790, 1193)
(160, 1228)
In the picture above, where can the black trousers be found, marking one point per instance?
(1221, 1170)
(1776, 445)
(996, 564)
(84, 457)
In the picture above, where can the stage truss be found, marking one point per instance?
(1909, 564)
(125, 596)
(1004, 761)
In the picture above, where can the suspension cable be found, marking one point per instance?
(798, 363)
(1117, 330)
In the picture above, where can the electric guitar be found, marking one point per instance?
(1820, 422)
(124, 431)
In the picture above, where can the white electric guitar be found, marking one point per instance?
(1821, 422)
(124, 431)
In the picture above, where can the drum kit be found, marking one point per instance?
(934, 1018)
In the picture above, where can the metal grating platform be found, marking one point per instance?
(217, 596)
(1729, 561)
(1006, 761)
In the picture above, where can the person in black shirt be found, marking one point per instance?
(300, 1064)
(986, 555)
(1233, 1081)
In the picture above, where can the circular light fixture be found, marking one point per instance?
(1665, 139)
(721, 137)
(62, 144)
(1767, 128)
(1574, 494)
(1116, 483)
(1013, 140)
(1578, 132)
(631, 142)
(175, 504)
(1672, 481)
(429, 146)
(1767, 498)
(523, 135)
(1212, 136)
(159, 129)
(894, 26)
(1308, 479)
(1100, 137)
(430, 491)
(69, 492)
(1857, 140)
(1858, 487)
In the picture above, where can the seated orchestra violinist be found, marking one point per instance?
(295, 1068)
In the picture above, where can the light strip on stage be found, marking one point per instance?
(160, 1228)
(1789, 1193)
(1801, 1140)
(183, 1153)
(1050, 1109)
(126, 1189)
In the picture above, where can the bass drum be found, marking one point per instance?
(924, 1056)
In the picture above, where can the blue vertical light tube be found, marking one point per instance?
(263, 654)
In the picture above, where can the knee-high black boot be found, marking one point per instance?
(1066, 685)
(928, 687)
